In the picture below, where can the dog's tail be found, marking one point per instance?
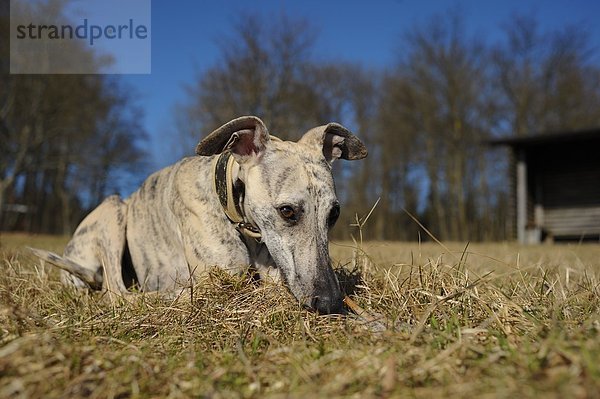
(94, 280)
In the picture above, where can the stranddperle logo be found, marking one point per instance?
(80, 37)
(89, 32)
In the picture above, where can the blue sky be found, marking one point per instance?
(184, 36)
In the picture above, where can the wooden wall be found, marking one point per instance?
(564, 188)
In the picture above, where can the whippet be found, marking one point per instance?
(246, 199)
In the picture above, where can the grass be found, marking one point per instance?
(489, 320)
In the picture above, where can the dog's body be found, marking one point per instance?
(174, 225)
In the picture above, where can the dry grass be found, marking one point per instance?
(492, 320)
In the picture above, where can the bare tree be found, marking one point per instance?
(546, 80)
(261, 71)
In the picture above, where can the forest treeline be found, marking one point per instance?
(425, 119)
(66, 141)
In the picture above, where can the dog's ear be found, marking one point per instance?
(244, 136)
(335, 141)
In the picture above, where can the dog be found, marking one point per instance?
(246, 199)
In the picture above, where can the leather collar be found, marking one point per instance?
(231, 195)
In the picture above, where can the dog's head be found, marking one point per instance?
(290, 196)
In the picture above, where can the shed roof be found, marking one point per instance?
(548, 138)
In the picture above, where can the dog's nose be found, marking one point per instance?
(328, 305)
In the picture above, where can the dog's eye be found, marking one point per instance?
(334, 214)
(287, 212)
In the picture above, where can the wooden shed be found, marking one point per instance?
(555, 186)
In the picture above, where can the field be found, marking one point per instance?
(443, 320)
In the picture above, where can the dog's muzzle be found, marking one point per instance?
(327, 297)
(328, 305)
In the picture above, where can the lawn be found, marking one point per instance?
(443, 320)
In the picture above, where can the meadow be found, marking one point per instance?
(440, 320)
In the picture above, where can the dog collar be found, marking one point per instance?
(231, 195)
